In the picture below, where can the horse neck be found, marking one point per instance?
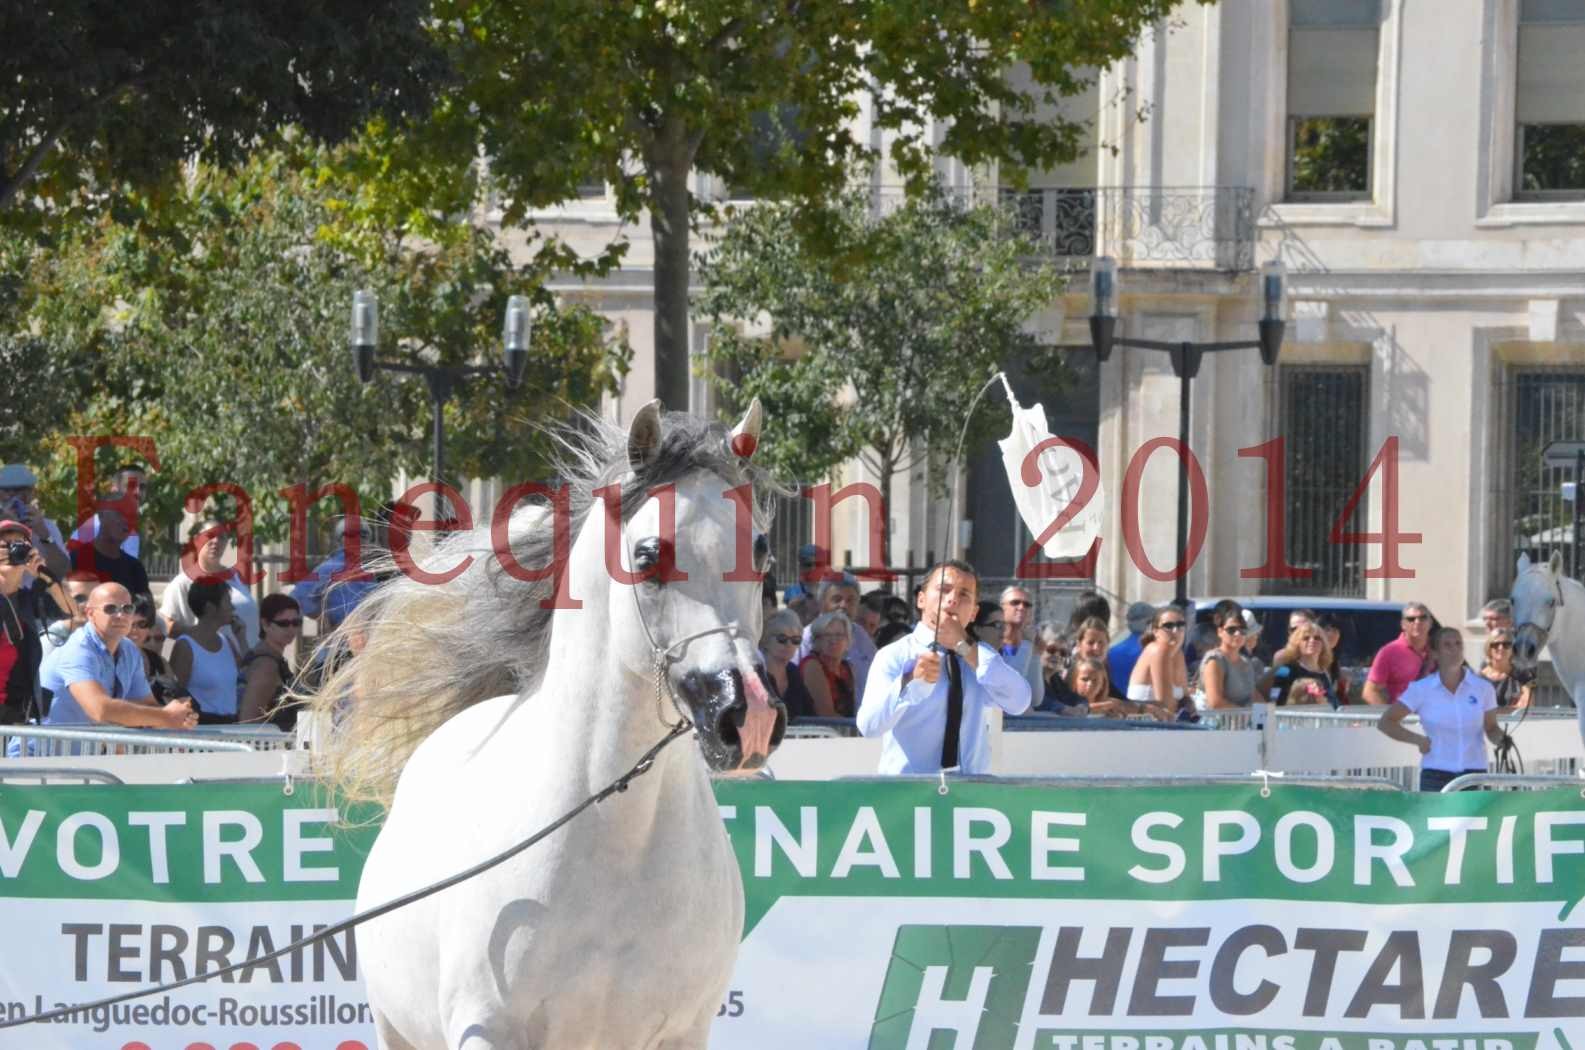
(1567, 622)
(596, 700)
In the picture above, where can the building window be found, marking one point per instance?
(1547, 406)
(1323, 419)
(1333, 49)
(1549, 140)
(591, 189)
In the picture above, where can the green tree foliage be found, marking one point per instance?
(95, 94)
(879, 353)
(642, 92)
(217, 324)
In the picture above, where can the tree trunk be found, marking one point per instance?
(888, 468)
(669, 161)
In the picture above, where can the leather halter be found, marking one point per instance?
(662, 657)
(1544, 632)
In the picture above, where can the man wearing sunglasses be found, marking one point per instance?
(97, 676)
(1405, 659)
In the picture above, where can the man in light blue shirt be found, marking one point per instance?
(97, 675)
(321, 595)
(906, 700)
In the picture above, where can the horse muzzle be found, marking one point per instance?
(738, 722)
(1528, 641)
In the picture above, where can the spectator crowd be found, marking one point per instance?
(82, 640)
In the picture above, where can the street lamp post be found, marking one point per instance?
(1272, 304)
(441, 379)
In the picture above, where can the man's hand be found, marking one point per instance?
(1424, 744)
(928, 667)
(179, 714)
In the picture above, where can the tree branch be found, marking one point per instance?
(10, 186)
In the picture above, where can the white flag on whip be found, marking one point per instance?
(1055, 480)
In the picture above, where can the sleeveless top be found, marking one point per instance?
(213, 680)
(1510, 687)
(840, 683)
(1288, 675)
(796, 696)
(1238, 680)
(284, 717)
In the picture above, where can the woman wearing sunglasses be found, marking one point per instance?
(1160, 680)
(1226, 676)
(783, 635)
(1513, 686)
(149, 637)
(1303, 669)
(265, 674)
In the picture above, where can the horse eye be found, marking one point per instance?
(761, 552)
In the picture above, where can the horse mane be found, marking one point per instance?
(412, 655)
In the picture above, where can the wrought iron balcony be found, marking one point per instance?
(1209, 227)
(1196, 227)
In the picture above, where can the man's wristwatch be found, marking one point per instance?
(964, 648)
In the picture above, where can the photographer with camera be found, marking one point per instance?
(24, 582)
(19, 503)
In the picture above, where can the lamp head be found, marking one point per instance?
(515, 333)
(1103, 286)
(365, 334)
(1271, 291)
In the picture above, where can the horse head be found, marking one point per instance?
(1537, 596)
(686, 601)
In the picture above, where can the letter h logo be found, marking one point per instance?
(955, 987)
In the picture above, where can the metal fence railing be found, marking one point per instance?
(1515, 782)
(92, 741)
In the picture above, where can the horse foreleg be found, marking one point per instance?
(388, 1037)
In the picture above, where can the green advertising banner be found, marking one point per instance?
(881, 914)
(888, 915)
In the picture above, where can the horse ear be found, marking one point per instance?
(1524, 564)
(643, 436)
(745, 436)
(1555, 566)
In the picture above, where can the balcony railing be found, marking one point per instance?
(1196, 227)
(1210, 227)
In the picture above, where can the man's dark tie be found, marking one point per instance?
(949, 739)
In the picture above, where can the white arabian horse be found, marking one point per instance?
(1549, 612)
(620, 930)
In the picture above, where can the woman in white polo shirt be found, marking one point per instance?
(1458, 713)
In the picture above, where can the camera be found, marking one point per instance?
(18, 552)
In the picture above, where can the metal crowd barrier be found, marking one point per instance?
(81, 741)
(56, 775)
(1041, 722)
(1266, 780)
(1515, 782)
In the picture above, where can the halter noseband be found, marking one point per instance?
(1544, 632)
(662, 657)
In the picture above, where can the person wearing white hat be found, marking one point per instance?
(19, 502)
